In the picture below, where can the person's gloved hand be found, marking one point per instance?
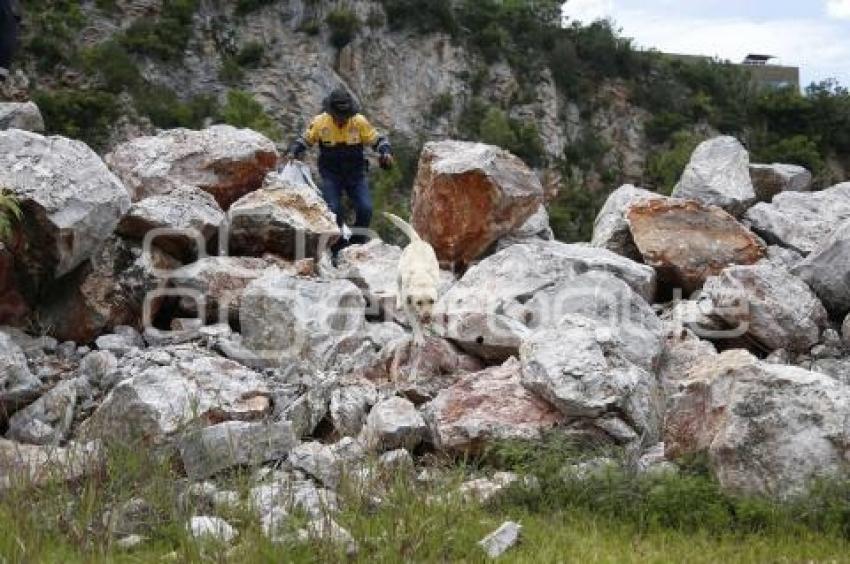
(296, 151)
(385, 161)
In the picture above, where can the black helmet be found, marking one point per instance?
(340, 104)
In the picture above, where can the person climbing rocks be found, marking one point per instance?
(10, 20)
(342, 132)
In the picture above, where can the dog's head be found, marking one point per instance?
(421, 302)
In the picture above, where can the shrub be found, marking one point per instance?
(245, 7)
(251, 55)
(663, 125)
(572, 213)
(10, 212)
(242, 110)
(376, 18)
(799, 150)
(111, 63)
(50, 33)
(480, 121)
(496, 129)
(423, 17)
(86, 115)
(230, 72)
(166, 110)
(344, 25)
(165, 37)
(391, 188)
(441, 106)
(664, 168)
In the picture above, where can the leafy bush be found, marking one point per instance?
(664, 168)
(423, 17)
(86, 115)
(572, 213)
(111, 63)
(251, 55)
(10, 212)
(50, 33)
(799, 150)
(483, 122)
(241, 110)
(230, 72)
(245, 7)
(165, 37)
(166, 110)
(441, 105)
(344, 25)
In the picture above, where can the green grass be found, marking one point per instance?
(612, 517)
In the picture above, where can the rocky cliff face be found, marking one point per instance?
(411, 84)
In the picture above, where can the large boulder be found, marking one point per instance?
(583, 368)
(21, 115)
(394, 423)
(686, 242)
(225, 161)
(18, 386)
(291, 221)
(185, 219)
(611, 229)
(113, 288)
(161, 400)
(488, 406)
(485, 313)
(535, 228)
(827, 271)
(772, 179)
(70, 200)
(218, 283)
(801, 220)
(467, 195)
(718, 175)
(210, 450)
(769, 429)
(286, 317)
(768, 304)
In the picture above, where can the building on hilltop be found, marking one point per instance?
(765, 75)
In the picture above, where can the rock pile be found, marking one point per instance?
(272, 355)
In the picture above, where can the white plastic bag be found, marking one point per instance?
(298, 173)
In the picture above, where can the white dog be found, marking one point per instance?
(418, 279)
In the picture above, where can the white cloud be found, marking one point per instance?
(838, 9)
(588, 10)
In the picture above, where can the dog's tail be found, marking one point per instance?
(403, 226)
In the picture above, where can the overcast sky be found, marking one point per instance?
(811, 34)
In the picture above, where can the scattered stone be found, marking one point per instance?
(827, 271)
(291, 495)
(211, 528)
(119, 345)
(18, 386)
(34, 466)
(131, 517)
(129, 542)
(222, 160)
(21, 115)
(611, 229)
(71, 204)
(207, 451)
(801, 221)
(501, 540)
(718, 174)
(327, 530)
(293, 222)
(394, 423)
(317, 460)
(187, 217)
(772, 179)
(768, 304)
(482, 490)
(47, 420)
(487, 406)
(686, 242)
(583, 368)
(349, 406)
(467, 196)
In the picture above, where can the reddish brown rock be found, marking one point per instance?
(686, 242)
(468, 195)
(13, 307)
(225, 161)
(486, 406)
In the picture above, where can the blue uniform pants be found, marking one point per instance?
(356, 186)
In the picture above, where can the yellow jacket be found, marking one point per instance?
(341, 148)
